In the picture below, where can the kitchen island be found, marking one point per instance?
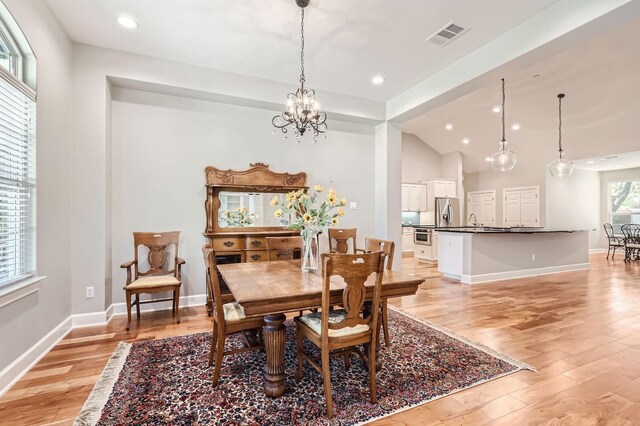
(475, 255)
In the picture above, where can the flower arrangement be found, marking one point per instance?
(238, 218)
(310, 213)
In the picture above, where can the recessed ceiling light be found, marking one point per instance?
(618, 167)
(516, 126)
(487, 159)
(590, 162)
(449, 126)
(377, 80)
(127, 22)
(496, 109)
(465, 141)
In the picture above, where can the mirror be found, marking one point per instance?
(247, 209)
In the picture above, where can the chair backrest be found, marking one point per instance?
(206, 249)
(355, 270)
(283, 248)
(158, 246)
(214, 287)
(631, 232)
(339, 239)
(388, 247)
(608, 229)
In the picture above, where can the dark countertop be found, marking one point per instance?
(497, 230)
(418, 226)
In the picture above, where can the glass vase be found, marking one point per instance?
(310, 251)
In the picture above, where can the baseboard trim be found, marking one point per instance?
(524, 273)
(21, 366)
(597, 250)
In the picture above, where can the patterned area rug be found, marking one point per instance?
(168, 381)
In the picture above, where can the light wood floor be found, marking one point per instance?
(580, 329)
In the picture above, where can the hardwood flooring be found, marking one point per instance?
(581, 330)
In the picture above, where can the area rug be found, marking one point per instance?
(168, 381)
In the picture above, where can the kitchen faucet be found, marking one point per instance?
(473, 219)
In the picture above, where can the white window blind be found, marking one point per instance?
(17, 182)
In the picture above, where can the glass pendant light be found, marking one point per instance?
(560, 167)
(504, 159)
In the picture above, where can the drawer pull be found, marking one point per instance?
(228, 243)
(255, 257)
(256, 243)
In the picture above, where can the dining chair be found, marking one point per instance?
(338, 332)
(228, 318)
(388, 247)
(339, 240)
(631, 232)
(225, 293)
(158, 278)
(284, 248)
(614, 241)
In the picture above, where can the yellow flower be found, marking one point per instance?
(343, 202)
(289, 205)
(244, 210)
(278, 213)
(334, 221)
(307, 217)
(275, 200)
(227, 213)
(318, 188)
(239, 209)
(306, 196)
(332, 197)
(340, 212)
(291, 196)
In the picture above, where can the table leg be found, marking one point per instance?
(367, 311)
(275, 336)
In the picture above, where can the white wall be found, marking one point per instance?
(26, 321)
(161, 145)
(420, 162)
(573, 202)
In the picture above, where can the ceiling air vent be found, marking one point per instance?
(447, 34)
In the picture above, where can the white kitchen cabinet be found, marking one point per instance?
(482, 204)
(521, 207)
(441, 188)
(414, 197)
(407, 239)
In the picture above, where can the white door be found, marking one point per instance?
(474, 207)
(529, 207)
(488, 209)
(405, 197)
(512, 208)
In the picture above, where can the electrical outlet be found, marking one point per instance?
(353, 205)
(89, 293)
(533, 257)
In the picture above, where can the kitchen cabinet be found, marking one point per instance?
(414, 197)
(441, 188)
(407, 239)
(521, 207)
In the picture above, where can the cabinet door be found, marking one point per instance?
(487, 210)
(405, 198)
(417, 198)
(407, 242)
(529, 207)
(450, 189)
(512, 208)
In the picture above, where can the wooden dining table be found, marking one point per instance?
(275, 288)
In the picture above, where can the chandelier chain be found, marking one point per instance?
(302, 79)
(560, 124)
(503, 123)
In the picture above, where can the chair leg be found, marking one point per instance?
(372, 373)
(219, 356)
(214, 341)
(138, 306)
(347, 360)
(299, 342)
(385, 323)
(128, 296)
(326, 378)
(176, 303)
(609, 251)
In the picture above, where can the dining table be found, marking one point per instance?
(274, 288)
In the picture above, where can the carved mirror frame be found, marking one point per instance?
(258, 178)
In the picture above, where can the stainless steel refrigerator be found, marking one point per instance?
(447, 212)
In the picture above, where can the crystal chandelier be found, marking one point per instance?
(302, 109)
(504, 159)
(560, 167)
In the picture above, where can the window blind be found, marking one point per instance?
(17, 182)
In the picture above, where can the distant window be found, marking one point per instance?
(17, 155)
(624, 203)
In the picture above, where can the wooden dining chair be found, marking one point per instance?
(158, 278)
(339, 240)
(284, 248)
(338, 332)
(225, 293)
(388, 247)
(228, 318)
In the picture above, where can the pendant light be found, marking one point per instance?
(504, 159)
(560, 167)
(302, 110)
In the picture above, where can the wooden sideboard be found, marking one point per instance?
(244, 244)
